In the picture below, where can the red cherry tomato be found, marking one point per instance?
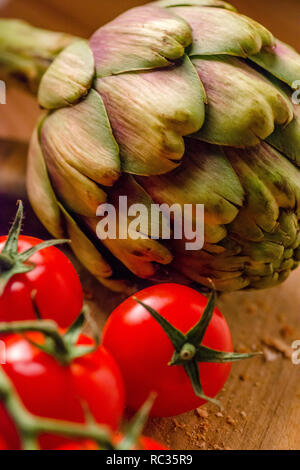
(150, 444)
(57, 288)
(50, 390)
(3, 445)
(77, 445)
(145, 443)
(142, 349)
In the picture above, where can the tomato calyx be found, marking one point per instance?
(12, 262)
(189, 350)
(136, 426)
(63, 347)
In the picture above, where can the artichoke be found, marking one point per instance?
(175, 102)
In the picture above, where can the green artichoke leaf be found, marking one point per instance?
(143, 38)
(220, 31)
(202, 267)
(282, 61)
(197, 3)
(205, 177)
(229, 285)
(251, 222)
(150, 112)
(68, 78)
(81, 151)
(40, 191)
(285, 232)
(276, 172)
(243, 106)
(256, 268)
(287, 139)
(265, 252)
(268, 281)
(214, 233)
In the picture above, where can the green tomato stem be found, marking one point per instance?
(30, 426)
(48, 328)
(6, 263)
(62, 347)
(187, 352)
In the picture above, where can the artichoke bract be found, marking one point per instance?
(176, 102)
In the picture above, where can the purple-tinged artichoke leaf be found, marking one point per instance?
(220, 31)
(143, 38)
(77, 191)
(68, 78)
(243, 106)
(150, 112)
(81, 151)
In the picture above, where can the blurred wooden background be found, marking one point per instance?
(262, 398)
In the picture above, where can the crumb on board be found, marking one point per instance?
(243, 414)
(230, 420)
(217, 447)
(202, 445)
(202, 413)
(241, 348)
(279, 345)
(251, 309)
(286, 331)
(177, 424)
(270, 355)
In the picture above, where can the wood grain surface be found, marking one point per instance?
(262, 398)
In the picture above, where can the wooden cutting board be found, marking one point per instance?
(262, 397)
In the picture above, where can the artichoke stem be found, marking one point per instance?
(26, 52)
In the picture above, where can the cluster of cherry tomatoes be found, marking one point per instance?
(130, 362)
